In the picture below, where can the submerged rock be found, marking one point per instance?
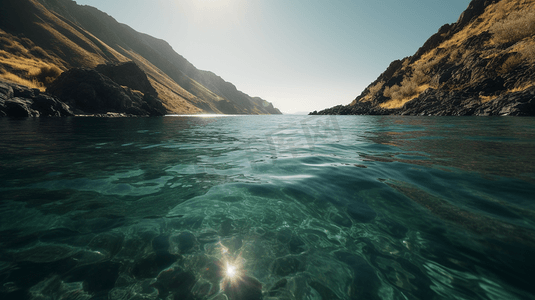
(153, 264)
(284, 266)
(176, 282)
(365, 283)
(182, 243)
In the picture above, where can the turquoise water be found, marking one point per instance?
(267, 207)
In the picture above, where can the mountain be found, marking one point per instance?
(40, 39)
(484, 64)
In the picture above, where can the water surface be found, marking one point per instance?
(272, 207)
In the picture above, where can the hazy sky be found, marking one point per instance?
(302, 55)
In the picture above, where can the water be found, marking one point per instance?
(272, 207)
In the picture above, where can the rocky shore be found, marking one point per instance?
(86, 92)
(482, 65)
(440, 103)
(19, 101)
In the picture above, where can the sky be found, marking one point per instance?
(301, 55)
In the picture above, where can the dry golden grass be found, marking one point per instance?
(174, 103)
(521, 88)
(376, 88)
(493, 14)
(420, 74)
(34, 84)
(80, 55)
(26, 70)
(407, 89)
(401, 100)
(515, 27)
(47, 74)
(411, 86)
(86, 52)
(118, 56)
(484, 99)
(372, 91)
(526, 47)
(510, 64)
(22, 62)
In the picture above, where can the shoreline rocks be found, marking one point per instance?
(20, 102)
(455, 103)
(85, 92)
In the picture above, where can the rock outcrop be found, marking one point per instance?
(455, 103)
(90, 92)
(481, 65)
(19, 102)
(128, 74)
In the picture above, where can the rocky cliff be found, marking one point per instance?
(37, 36)
(484, 64)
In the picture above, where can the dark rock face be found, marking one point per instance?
(475, 8)
(458, 103)
(454, 103)
(6, 91)
(19, 101)
(90, 92)
(128, 74)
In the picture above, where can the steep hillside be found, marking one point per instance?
(37, 36)
(484, 64)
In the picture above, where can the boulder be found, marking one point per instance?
(90, 92)
(49, 106)
(128, 74)
(19, 101)
(19, 108)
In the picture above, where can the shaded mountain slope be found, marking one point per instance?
(60, 33)
(484, 64)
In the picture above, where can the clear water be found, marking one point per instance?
(272, 207)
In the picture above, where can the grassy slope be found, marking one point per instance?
(506, 29)
(48, 42)
(62, 34)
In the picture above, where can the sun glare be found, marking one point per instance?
(231, 271)
(212, 14)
